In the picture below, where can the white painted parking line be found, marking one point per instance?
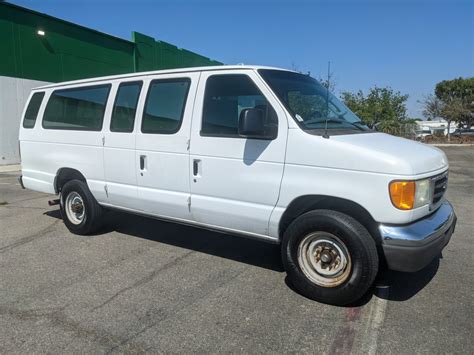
(370, 322)
(376, 319)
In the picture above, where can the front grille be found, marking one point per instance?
(439, 186)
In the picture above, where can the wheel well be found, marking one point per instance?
(64, 175)
(308, 203)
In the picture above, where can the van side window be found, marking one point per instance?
(164, 107)
(32, 110)
(225, 97)
(125, 107)
(77, 109)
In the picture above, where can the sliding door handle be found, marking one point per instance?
(142, 162)
(196, 167)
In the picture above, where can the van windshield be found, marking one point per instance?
(311, 105)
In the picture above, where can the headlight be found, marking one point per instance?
(406, 195)
(422, 192)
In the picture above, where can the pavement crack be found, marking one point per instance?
(155, 317)
(37, 235)
(57, 318)
(145, 279)
(24, 207)
(25, 200)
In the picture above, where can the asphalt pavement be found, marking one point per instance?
(143, 285)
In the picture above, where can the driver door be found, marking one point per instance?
(235, 181)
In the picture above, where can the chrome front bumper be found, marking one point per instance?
(413, 246)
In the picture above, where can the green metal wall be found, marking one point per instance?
(151, 54)
(69, 51)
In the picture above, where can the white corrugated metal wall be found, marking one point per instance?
(13, 94)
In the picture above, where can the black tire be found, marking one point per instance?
(358, 243)
(92, 218)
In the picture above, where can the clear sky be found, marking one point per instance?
(409, 45)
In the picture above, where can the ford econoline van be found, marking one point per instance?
(260, 152)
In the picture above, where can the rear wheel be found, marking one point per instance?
(80, 211)
(329, 257)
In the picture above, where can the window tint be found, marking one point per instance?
(125, 107)
(32, 110)
(77, 109)
(225, 98)
(164, 106)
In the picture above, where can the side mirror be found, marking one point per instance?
(252, 124)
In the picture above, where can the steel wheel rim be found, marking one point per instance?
(75, 209)
(324, 259)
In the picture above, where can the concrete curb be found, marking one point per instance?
(9, 168)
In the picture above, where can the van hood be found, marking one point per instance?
(392, 154)
(370, 152)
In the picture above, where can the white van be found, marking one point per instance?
(256, 151)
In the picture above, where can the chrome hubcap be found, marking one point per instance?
(74, 207)
(324, 259)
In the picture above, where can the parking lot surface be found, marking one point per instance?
(147, 285)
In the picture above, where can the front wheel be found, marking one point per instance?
(329, 257)
(80, 211)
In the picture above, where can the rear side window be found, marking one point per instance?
(32, 110)
(165, 105)
(224, 99)
(125, 107)
(77, 109)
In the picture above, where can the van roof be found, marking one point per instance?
(154, 72)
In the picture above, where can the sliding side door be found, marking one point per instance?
(162, 146)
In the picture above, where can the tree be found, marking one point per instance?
(295, 67)
(456, 97)
(327, 82)
(453, 101)
(454, 111)
(432, 107)
(382, 107)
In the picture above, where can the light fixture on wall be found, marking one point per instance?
(41, 33)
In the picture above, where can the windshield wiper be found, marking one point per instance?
(332, 120)
(357, 124)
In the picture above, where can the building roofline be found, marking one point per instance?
(25, 9)
(156, 72)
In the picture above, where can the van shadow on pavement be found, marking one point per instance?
(245, 250)
(405, 285)
(402, 286)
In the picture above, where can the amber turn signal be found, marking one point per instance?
(402, 194)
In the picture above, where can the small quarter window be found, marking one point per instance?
(165, 105)
(224, 99)
(32, 110)
(125, 107)
(77, 109)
